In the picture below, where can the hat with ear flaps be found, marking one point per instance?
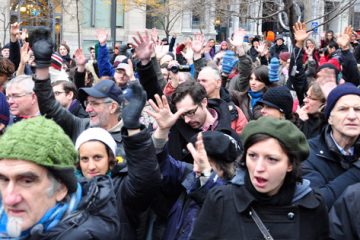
(43, 142)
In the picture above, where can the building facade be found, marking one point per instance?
(67, 17)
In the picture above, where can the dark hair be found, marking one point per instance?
(68, 86)
(66, 46)
(295, 174)
(262, 74)
(6, 67)
(111, 156)
(333, 44)
(196, 91)
(227, 168)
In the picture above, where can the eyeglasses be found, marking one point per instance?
(16, 96)
(94, 103)
(189, 113)
(57, 93)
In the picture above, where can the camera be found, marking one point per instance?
(179, 68)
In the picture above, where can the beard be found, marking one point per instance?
(13, 226)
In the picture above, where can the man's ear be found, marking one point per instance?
(70, 94)
(204, 102)
(61, 193)
(113, 107)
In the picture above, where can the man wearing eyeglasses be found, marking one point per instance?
(102, 100)
(202, 114)
(22, 100)
(66, 93)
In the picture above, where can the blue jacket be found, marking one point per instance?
(179, 178)
(328, 170)
(103, 59)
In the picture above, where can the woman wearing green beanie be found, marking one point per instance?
(269, 199)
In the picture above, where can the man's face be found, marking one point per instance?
(5, 52)
(99, 111)
(208, 81)
(21, 102)
(120, 77)
(345, 117)
(61, 96)
(255, 44)
(195, 115)
(27, 192)
(92, 53)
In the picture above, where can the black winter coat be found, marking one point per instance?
(96, 209)
(181, 133)
(226, 215)
(329, 172)
(344, 216)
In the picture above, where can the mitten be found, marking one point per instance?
(135, 98)
(41, 44)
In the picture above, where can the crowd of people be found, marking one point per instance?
(159, 139)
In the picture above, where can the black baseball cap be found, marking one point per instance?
(103, 89)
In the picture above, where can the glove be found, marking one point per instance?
(135, 98)
(42, 46)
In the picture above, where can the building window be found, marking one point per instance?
(97, 14)
(198, 17)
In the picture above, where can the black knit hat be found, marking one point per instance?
(220, 146)
(337, 93)
(279, 98)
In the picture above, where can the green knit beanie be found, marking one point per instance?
(43, 142)
(283, 130)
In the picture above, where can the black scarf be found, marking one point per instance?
(282, 198)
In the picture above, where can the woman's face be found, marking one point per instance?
(311, 102)
(255, 84)
(63, 51)
(309, 44)
(94, 159)
(268, 165)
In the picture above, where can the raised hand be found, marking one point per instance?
(102, 36)
(162, 114)
(144, 47)
(326, 78)
(135, 99)
(188, 55)
(41, 44)
(24, 35)
(262, 49)
(344, 39)
(300, 33)
(79, 57)
(238, 38)
(197, 43)
(24, 53)
(154, 35)
(201, 160)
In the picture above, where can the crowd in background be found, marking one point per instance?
(251, 138)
